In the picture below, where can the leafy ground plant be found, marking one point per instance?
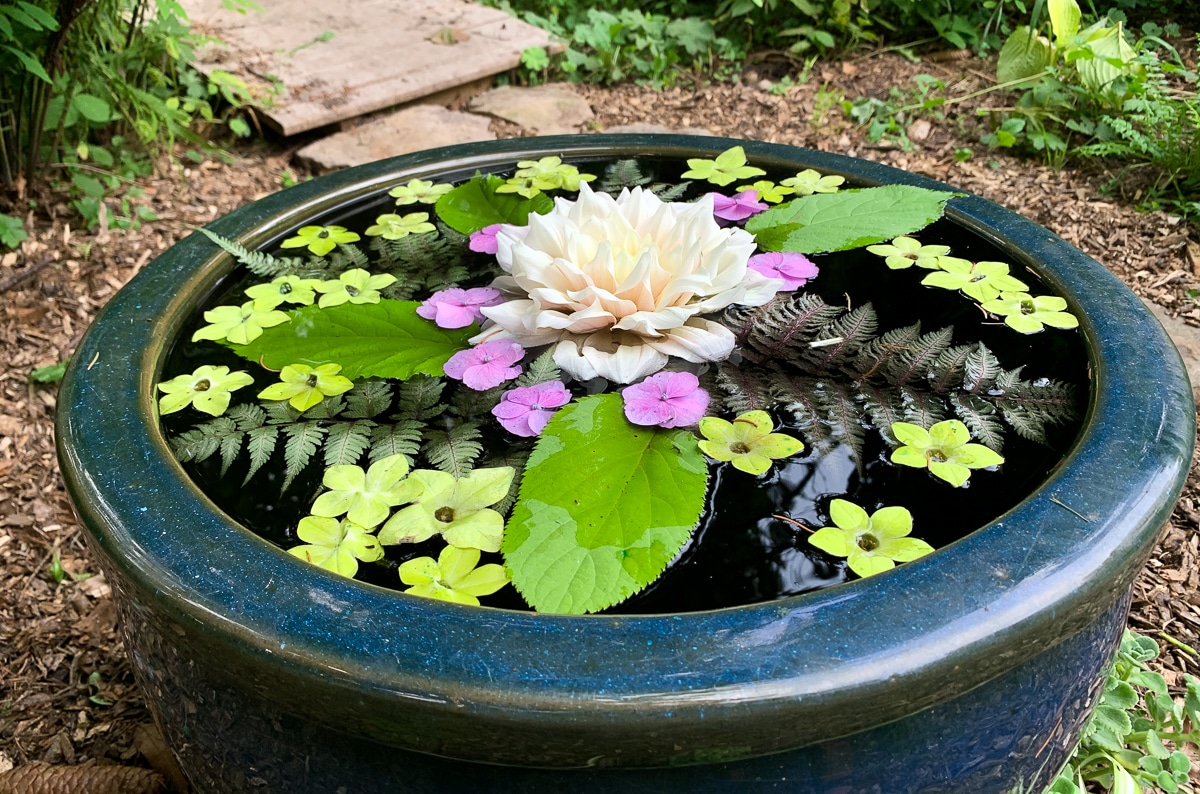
(1135, 740)
(448, 389)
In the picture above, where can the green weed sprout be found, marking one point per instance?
(904, 252)
(728, 166)
(320, 240)
(1028, 314)
(871, 544)
(304, 386)
(208, 389)
(457, 509)
(284, 289)
(453, 576)
(395, 227)
(943, 449)
(364, 497)
(419, 191)
(747, 441)
(354, 286)
(983, 281)
(335, 545)
(240, 325)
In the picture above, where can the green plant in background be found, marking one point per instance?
(1136, 737)
(12, 231)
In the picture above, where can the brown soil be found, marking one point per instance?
(67, 695)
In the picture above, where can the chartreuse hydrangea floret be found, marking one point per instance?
(240, 325)
(366, 497)
(729, 165)
(767, 191)
(395, 227)
(1027, 314)
(943, 449)
(906, 251)
(208, 389)
(871, 544)
(320, 240)
(983, 281)
(353, 286)
(548, 173)
(336, 545)
(304, 386)
(419, 191)
(284, 289)
(457, 509)
(453, 576)
(809, 181)
(747, 442)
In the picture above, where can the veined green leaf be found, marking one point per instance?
(385, 340)
(475, 204)
(92, 108)
(604, 507)
(1064, 20)
(851, 218)
(1024, 54)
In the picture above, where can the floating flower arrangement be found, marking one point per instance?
(545, 383)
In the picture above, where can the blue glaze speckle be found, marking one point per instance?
(255, 661)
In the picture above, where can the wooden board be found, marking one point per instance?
(381, 52)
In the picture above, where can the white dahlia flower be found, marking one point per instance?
(622, 284)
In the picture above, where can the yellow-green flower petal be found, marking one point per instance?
(453, 576)
(943, 450)
(208, 389)
(304, 386)
(353, 286)
(395, 227)
(418, 191)
(809, 181)
(871, 544)
(767, 191)
(747, 442)
(284, 289)
(240, 325)
(320, 240)
(335, 545)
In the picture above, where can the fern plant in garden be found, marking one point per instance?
(627, 347)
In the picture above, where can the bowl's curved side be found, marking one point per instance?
(777, 675)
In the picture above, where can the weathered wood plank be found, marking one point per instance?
(382, 52)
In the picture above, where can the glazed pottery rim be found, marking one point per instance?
(1044, 569)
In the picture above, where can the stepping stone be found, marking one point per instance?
(340, 60)
(1187, 341)
(645, 128)
(409, 130)
(551, 109)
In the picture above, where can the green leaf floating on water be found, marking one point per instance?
(475, 204)
(848, 219)
(383, 340)
(604, 507)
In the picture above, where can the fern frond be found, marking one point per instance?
(980, 418)
(670, 192)
(328, 408)
(1030, 407)
(844, 417)
(368, 399)
(948, 368)
(793, 321)
(347, 441)
(542, 370)
(468, 403)
(922, 408)
(303, 439)
(620, 175)
(418, 398)
(742, 390)
(401, 438)
(203, 440)
(876, 353)
(259, 263)
(885, 407)
(853, 328)
(260, 443)
(981, 370)
(347, 256)
(798, 396)
(916, 361)
(453, 451)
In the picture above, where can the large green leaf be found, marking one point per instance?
(1024, 54)
(604, 507)
(384, 340)
(850, 218)
(475, 204)
(1064, 20)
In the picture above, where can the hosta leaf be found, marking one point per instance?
(604, 507)
(385, 340)
(851, 218)
(1024, 54)
(475, 204)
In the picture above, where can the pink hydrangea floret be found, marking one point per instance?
(484, 240)
(793, 269)
(525, 410)
(668, 399)
(738, 208)
(458, 308)
(486, 365)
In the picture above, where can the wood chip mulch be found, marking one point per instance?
(67, 694)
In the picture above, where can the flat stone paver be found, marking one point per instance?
(337, 61)
(1187, 341)
(645, 128)
(409, 130)
(551, 109)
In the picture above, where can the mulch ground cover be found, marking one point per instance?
(67, 694)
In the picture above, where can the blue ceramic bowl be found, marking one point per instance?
(968, 670)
